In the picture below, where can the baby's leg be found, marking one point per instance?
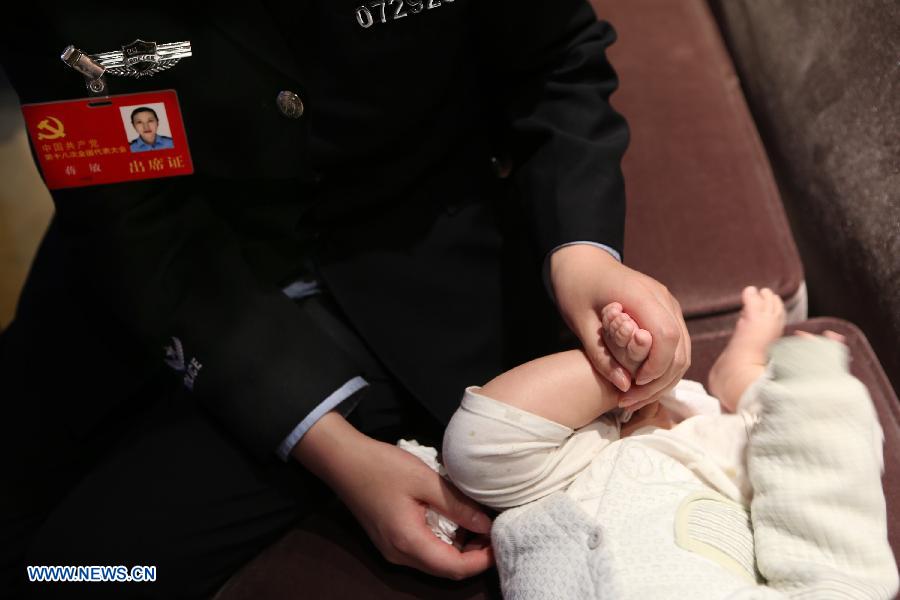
(744, 359)
(502, 454)
(562, 387)
(529, 431)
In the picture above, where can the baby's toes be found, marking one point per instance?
(614, 326)
(624, 333)
(752, 299)
(768, 299)
(609, 312)
(771, 301)
(778, 305)
(639, 346)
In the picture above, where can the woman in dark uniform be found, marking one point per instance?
(378, 191)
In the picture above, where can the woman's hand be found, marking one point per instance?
(585, 279)
(387, 489)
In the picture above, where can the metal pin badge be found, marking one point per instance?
(137, 59)
(143, 59)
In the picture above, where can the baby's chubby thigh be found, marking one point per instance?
(503, 456)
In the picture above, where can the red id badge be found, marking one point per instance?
(91, 141)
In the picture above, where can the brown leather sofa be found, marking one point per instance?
(705, 217)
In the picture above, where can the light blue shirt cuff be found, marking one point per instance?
(546, 273)
(302, 288)
(340, 399)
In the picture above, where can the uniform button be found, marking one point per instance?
(594, 539)
(289, 104)
(501, 167)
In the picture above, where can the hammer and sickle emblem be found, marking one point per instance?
(56, 130)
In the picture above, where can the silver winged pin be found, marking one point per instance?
(142, 59)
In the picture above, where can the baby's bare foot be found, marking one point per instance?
(744, 358)
(626, 341)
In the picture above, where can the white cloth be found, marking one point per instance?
(443, 528)
(688, 399)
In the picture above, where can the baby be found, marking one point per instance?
(783, 488)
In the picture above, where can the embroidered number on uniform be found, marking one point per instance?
(397, 13)
(366, 14)
(364, 17)
(381, 4)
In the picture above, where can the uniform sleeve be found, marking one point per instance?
(167, 268)
(552, 84)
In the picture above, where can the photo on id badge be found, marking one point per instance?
(146, 127)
